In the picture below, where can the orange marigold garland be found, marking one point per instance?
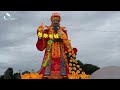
(76, 71)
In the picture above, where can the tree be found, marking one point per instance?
(2, 77)
(17, 76)
(25, 72)
(89, 68)
(8, 74)
(80, 63)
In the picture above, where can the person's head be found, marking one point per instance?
(55, 19)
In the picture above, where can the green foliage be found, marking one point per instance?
(89, 68)
(10, 75)
(25, 72)
(80, 63)
(2, 77)
(16, 76)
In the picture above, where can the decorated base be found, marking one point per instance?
(40, 76)
(79, 76)
(32, 76)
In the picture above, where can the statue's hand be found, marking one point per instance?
(41, 28)
(40, 31)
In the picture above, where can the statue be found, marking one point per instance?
(55, 41)
(59, 57)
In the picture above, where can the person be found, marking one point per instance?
(54, 40)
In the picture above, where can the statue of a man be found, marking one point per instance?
(55, 41)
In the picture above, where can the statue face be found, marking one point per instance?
(55, 19)
(55, 22)
(55, 25)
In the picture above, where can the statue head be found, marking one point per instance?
(55, 19)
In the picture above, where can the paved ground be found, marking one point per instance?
(110, 72)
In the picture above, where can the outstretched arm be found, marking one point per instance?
(41, 42)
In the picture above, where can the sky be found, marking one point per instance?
(96, 35)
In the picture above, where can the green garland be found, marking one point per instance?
(46, 61)
(44, 65)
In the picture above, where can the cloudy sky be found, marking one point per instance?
(96, 35)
